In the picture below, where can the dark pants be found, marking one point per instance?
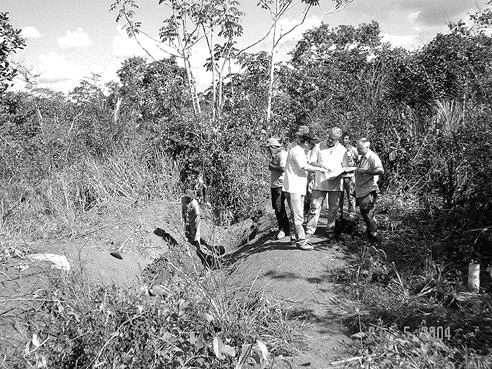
(366, 205)
(278, 204)
(349, 190)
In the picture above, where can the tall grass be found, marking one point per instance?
(52, 206)
(400, 287)
(195, 323)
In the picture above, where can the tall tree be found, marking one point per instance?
(330, 69)
(179, 33)
(217, 22)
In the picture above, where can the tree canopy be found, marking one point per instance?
(10, 41)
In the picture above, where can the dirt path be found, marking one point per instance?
(300, 279)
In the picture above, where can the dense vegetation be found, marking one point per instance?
(428, 113)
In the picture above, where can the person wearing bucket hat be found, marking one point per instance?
(277, 168)
(295, 183)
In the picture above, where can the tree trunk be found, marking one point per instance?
(185, 53)
(270, 82)
(116, 113)
(232, 84)
(214, 81)
(227, 58)
(192, 85)
(212, 61)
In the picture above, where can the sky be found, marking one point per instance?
(69, 40)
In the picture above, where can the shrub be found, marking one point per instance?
(195, 322)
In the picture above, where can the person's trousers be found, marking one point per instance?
(192, 230)
(366, 205)
(296, 205)
(349, 192)
(278, 204)
(315, 209)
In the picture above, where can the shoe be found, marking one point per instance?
(280, 235)
(292, 238)
(305, 245)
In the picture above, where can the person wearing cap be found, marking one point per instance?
(331, 156)
(367, 175)
(277, 168)
(295, 182)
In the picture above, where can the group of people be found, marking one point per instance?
(330, 171)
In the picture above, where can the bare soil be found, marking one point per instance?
(253, 258)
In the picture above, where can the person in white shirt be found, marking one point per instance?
(331, 156)
(277, 166)
(295, 183)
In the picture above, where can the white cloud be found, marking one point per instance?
(75, 39)
(409, 42)
(125, 47)
(437, 12)
(30, 32)
(58, 73)
(289, 41)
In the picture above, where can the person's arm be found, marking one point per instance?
(278, 168)
(355, 156)
(375, 167)
(373, 171)
(314, 168)
(321, 166)
(283, 161)
(300, 157)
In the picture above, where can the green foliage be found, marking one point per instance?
(390, 348)
(151, 91)
(194, 324)
(427, 113)
(401, 291)
(10, 41)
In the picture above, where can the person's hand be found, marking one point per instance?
(310, 186)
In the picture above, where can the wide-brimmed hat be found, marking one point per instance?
(272, 142)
